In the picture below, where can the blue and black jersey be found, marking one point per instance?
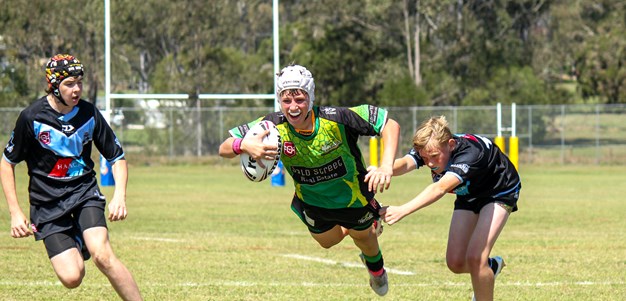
(57, 149)
(484, 171)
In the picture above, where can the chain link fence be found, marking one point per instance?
(548, 134)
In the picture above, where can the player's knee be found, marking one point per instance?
(456, 265)
(103, 260)
(474, 262)
(327, 244)
(72, 281)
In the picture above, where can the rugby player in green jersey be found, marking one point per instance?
(320, 152)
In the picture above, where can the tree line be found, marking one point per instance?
(391, 53)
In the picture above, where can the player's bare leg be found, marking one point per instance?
(103, 257)
(470, 242)
(69, 267)
(330, 237)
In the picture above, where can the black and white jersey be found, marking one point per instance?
(57, 149)
(484, 171)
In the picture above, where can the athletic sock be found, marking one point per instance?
(375, 264)
(493, 264)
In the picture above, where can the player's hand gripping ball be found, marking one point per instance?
(250, 167)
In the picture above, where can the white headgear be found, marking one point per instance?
(296, 77)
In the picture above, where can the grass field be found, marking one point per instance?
(207, 233)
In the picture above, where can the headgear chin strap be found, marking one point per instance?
(295, 77)
(60, 67)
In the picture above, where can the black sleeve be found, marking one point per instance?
(416, 156)
(105, 140)
(21, 139)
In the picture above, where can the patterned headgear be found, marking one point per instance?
(60, 67)
(296, 77)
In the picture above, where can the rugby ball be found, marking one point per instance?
(250, 167)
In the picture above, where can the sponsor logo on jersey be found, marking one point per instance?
(10, 144)
(243, 129)
(66, 167)
(463, 167)
(373, 114)
(67, 128)
(289, 149)
(309, 220)
(368, 216)
(462, 189)
(330, 111)
(330, 145)
(312, 175)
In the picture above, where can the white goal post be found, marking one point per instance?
(107, 69)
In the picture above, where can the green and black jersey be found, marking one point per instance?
(327, 166)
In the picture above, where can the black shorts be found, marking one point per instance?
(54, 217)
(70, 220)
(67, 230)
(509, 202)
(320, 220)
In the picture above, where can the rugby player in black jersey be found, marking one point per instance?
(486, 185)
(54, 136)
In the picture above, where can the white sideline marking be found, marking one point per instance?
(158, 239)
(312, 284)
(345, 264)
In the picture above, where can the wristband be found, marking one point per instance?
(237, 146)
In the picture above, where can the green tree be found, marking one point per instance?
(34, 31)
(601, 64)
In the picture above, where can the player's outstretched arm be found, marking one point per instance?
(380, 178)
(400, 166)
(430, 194)
(403, 165)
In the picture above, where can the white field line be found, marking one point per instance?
(314, 284)
(160, 239)
(344, 264)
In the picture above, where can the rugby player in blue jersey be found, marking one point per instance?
(54, 136)
(486, 185)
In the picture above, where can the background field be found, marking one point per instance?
(203, 232)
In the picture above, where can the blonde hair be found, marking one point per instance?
(293, 92)
(432, 133)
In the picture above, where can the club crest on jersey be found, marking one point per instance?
(374, 204)
(44, 137)
(289, 149)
